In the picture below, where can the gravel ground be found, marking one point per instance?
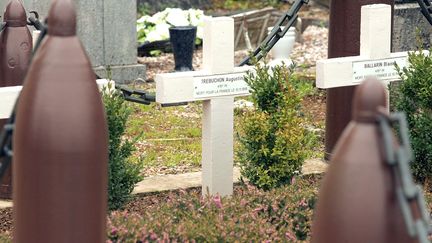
(313, 48)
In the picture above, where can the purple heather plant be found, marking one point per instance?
(283, 214)
(250, 215)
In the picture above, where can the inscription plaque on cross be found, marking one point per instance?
(375, 57)
(216, 85)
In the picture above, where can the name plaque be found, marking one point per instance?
(383, 69)
(232, 84)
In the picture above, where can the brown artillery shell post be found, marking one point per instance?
(357, 202)
(344, 40)
(15, 54)
(60, 142)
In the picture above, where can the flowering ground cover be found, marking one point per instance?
(283, 214)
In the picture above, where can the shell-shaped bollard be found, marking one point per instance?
(60, 142)
(15, 54)
(357, 201)
(15, 45)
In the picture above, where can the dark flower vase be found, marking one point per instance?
(183, 44)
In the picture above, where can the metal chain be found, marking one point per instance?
(426, 9)
(2, 26)
(6, 152)
(277, 33)
(409, 196)
(143, 97)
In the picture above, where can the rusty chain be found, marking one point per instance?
(409, 195)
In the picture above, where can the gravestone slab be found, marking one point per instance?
(107, 29)
(407, 18)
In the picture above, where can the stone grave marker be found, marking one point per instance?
(107, 29)
(375, 58)
(407, 19)
(216, 85)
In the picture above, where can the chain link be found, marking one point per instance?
(277, 32)
(426, 9)
(398, 157)
(6, 152)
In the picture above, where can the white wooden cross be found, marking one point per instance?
(375, 57)
(216, 85)
(8, 96)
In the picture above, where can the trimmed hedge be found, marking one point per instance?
(274, 137)
(123, 172)
(414, 96)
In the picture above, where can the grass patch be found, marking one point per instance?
(155, 122)
(167, 137)
(171, 153)
(170, 137)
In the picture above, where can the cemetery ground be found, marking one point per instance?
(168, 141)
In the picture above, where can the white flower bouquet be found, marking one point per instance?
(156, 27)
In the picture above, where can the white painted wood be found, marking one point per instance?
(179, 87)
(218, 118)
(375, 31)
(35, 35)
(217, 146)
(218, 47)
(338, 72)
(375, 41)
(8, 96)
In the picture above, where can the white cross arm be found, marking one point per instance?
(348, 71)
(181, 86)
(9, 95)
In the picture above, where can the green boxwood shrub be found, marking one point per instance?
(124, 172)
(414, 96)
(274, 139)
